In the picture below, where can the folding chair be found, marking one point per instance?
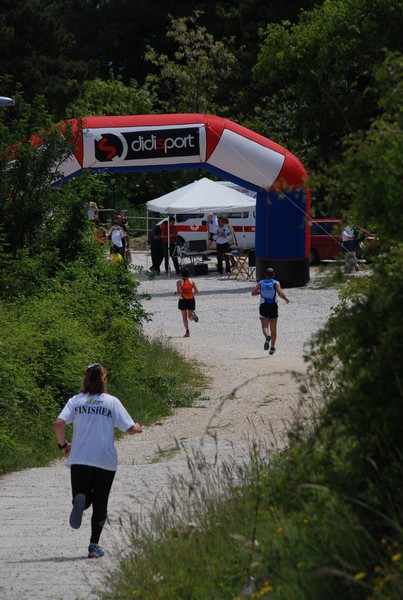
(238, 265)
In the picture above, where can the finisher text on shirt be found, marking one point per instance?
(93, 410)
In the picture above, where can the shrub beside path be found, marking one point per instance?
(249, 394)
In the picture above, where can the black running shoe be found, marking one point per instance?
(95, 551)
(76, 515)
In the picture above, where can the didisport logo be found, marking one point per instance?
(140, 145)
(165, 143)
(107, 147)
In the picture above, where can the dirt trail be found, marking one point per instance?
(41, 558)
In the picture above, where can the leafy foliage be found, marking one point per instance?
(112, 97)
(376, 199)
(28, 165)
(321, 69)
(84, 313)
(190, 80)
(38, 50)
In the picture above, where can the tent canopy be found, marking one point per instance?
(203, 195)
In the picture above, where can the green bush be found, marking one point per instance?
(82, 314)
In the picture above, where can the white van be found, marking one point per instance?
(193, 226)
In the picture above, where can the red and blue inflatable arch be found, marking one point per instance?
(230, 151)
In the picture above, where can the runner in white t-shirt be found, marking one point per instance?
(92, 454)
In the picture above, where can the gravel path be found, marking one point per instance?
(250, 393)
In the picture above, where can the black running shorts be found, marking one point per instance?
(189, 304)
(268, 310)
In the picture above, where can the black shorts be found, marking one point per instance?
(268, 310)
(187, 304)
(211, 237)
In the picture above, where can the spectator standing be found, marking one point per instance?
(123, 221)
(187, 289)
(232, 240)
(124, 224)
(212, 224)
(351, 245)
(92, 454)
(168, 235)
(117, 235)
(268, 289)
(222, 236)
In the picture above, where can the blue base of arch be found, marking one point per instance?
(290, 273)
(281, 236)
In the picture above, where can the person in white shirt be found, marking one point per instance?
(117, 236)
(351, 244)
(212, 224)
(92, 454)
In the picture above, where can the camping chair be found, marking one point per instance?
(238, 264)
(243, 264)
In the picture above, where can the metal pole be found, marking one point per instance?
(169, 249)
(148, 245)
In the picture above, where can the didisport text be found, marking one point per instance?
(165, 145)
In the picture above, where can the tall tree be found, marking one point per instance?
(36, 49)
(315, 75)
(28, 165)
(110, 97)
(189, 80)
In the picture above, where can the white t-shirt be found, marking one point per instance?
(94, 418)
(223, 234)
(117, 236)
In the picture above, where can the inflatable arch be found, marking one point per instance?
(230, 151)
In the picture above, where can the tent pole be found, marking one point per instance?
(169, 248)
(148, 238)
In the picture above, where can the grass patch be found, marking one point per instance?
(268, 528)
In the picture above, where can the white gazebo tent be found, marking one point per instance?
(203, 195)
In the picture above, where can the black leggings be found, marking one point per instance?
(95, 484)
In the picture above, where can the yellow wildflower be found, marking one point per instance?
(360, 575)
(264, 590)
